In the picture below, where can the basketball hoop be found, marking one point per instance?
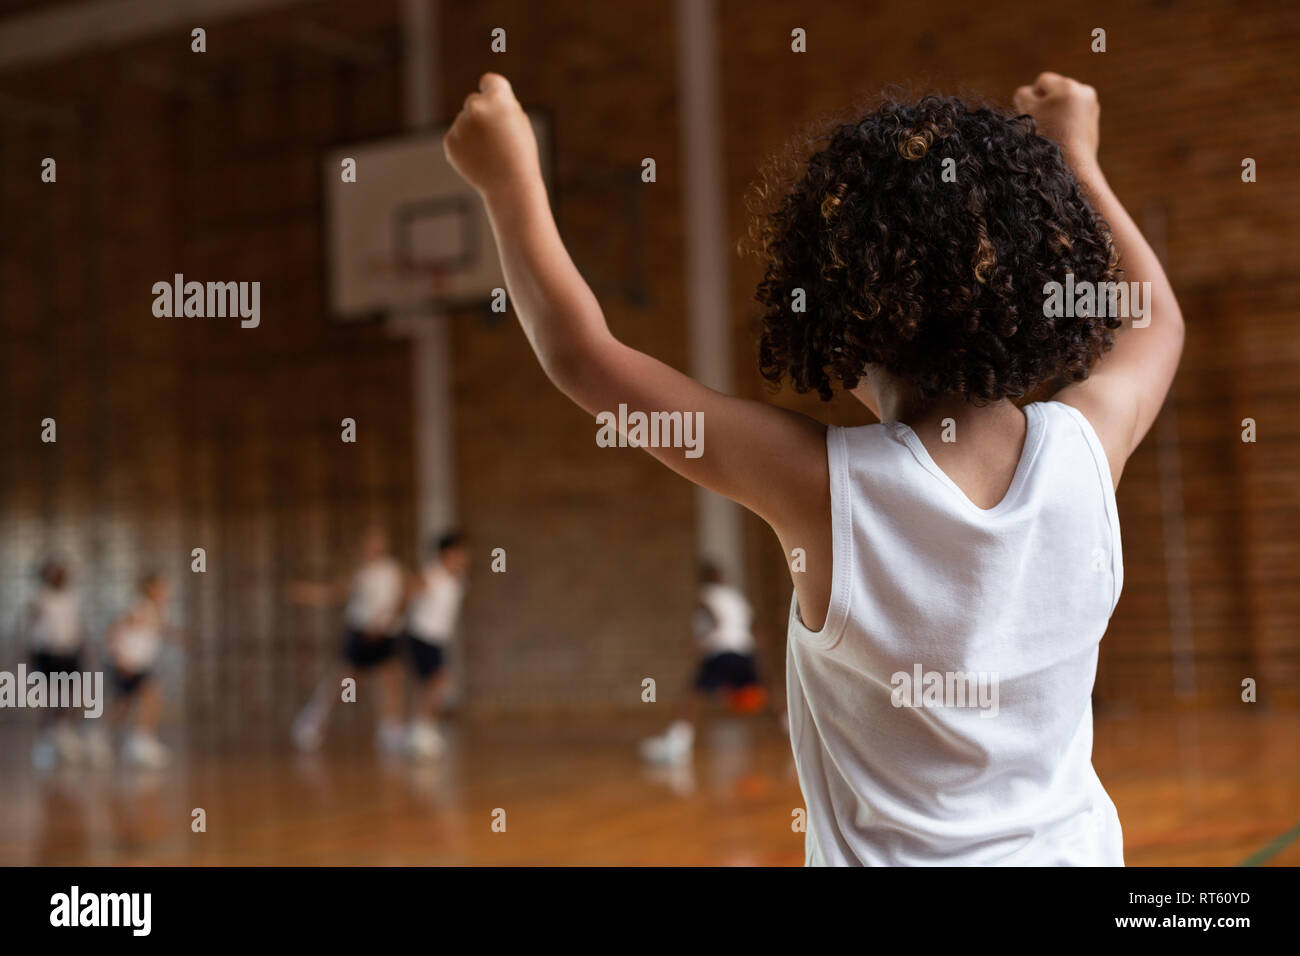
(436, 276)
(410, 236)
(415, 290)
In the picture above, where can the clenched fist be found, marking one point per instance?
(1066, 110)
(491, 143)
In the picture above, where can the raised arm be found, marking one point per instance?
(1124, 393)
(770, 460)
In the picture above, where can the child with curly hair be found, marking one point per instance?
(963, 555)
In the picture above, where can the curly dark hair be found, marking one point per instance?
(940, 283)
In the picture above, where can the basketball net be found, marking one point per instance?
(417, 288)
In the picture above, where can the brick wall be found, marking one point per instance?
(183, 433)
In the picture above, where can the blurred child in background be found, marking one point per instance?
(723, 630)
(134, 643)
(373, 596)
(51, 627)
(436, 592)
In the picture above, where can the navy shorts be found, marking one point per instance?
(728, 669)
(50, 664)
(364, 652)
(428, 658)
(128, 682)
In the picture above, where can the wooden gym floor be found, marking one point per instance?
(1201, 789)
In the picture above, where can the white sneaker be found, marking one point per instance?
(424, 740)
(99, 750)
(673, 746)
(145, 750)
(45, 756)
(391, 737)
(308, 730)
(67, 744)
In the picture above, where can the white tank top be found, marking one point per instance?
(943, 714)
(725, 628)
(56, 621)
(375, 601)
(140, 640)
(432, 617)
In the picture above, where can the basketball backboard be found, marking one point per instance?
(408, 234)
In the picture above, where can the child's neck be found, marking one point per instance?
(893, 400)
(978, 447)
(922, 414)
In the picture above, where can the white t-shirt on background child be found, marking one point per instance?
(375, 600)
(139, 642)
(725, 622)
(56, 621)
(433, 612)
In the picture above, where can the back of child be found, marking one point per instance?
(945, 706)
(954, 566)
